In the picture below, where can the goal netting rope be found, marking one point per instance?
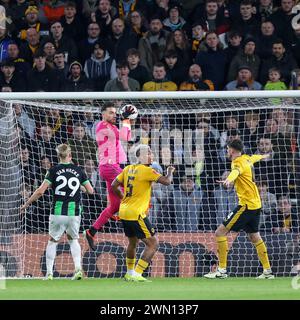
(189, 133)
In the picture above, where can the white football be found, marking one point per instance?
(134, 115)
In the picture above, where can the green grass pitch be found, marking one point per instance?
(159, 288)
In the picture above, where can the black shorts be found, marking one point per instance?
(142, 228)
(241, 218)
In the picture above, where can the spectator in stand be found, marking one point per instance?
(121, 40)
(28, 170)
(234, 46)
(42, 169)
(60, 65)
(49, 51)
(213, 19)
(23, 119)
(159, 82)
(195, 82)
(287, 217)
(104, 16)
(246, 56)
(266, 40)
(281, 145)
(89, 7)
(264, 10)
(6, 89)
(62, 42)
(174, 21)
(86, 46)
(55, 120)
(176, 72)
(137, 71)
(269, 204)
(18, 10)
(160, 8)
(71, 23)
(198, 36)
(282, 21)
(247, 25)
(231, 123)
(123, 82)
(5, 40)
(89, 122)
(213, 60)
(77, 81)
(41, 77)
(137, 23)
(275, 168)
(91, 171)
(21, 65)
(51, 11)
(46, 144)
(100, 67)
(153, 45)
(187, 203)
(31, 46)
(274, 82)
(281, 60)
(252, 130)
(244, 79)
(225, 198)
(31, 21)
(125, 7)
(285, 125)
(296, 46)
(81, 145)
(178, 41)
(9, 77)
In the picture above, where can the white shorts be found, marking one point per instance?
(60, 224)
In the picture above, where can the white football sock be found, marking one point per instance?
(50, 256)
(76, 253)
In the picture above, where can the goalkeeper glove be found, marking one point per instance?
(128, 112)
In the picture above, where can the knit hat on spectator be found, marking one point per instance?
(31, 9)
(244, 67)
(247, 40)
(175, 6)
(74, 63)
(198, 23)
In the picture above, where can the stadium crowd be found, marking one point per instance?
(159, 45)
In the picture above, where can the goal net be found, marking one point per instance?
(189, 131)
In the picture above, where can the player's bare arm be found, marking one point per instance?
(36, 195)
(116, 188)
(87, 188)
(167, 180)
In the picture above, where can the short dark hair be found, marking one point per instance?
(246, 3)
(122, 64)
(278, 41)
(159, 65)
(132, 52)
(236, 144)
(71, 4)
(107, 105)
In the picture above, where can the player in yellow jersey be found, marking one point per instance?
(137, 180)
(246, 215)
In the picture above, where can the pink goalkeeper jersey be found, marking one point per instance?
(108, 137)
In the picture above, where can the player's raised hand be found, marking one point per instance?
(170, 170)
(128, 112)
(226, 183)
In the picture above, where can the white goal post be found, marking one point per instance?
(186, 129)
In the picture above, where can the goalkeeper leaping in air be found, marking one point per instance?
(246, 215)
(111, 154)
